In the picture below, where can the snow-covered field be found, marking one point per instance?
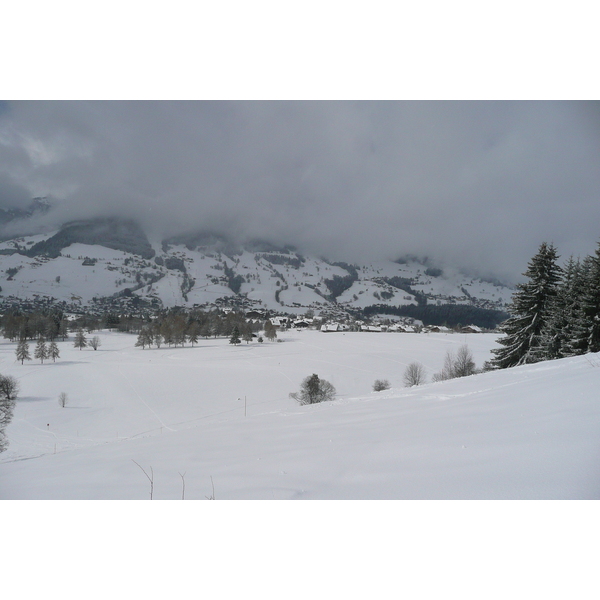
(219, 415)
(529, 432)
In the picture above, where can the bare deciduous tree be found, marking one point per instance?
(62, 399)
(95, 342)
(464, 364)
(414, 374)
(460, 365)
(270, 332)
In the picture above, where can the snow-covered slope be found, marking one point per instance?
(180, 275)
(223, 412)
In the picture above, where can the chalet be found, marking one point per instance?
(279, 322)
(471, 329)
(437, 329)
(371, 328)
(402, 328)
(333, 327)
(301, 324)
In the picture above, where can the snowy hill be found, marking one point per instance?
(221, 414)
(102, 258)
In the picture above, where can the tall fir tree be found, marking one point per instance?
(576, 326)
(531, 309)
(557, 333)
(80, 339)
(53, 351)
(22, 351)
(192, 333)
(235, 336)
(41, 350)
(591, 303)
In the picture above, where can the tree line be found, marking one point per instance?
(554, 314)
(449, 315)
(178, 328)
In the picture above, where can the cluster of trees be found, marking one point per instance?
(81, 341)
(449, 315)
(554, 314)
(42, 350)
(30, 326)
(9, 389)
(339, 284)
(456, 365)
(177, 328)
(313, 390)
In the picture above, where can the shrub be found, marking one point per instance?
(380, 385)
(314, 390)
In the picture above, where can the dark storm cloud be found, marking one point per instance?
(478, 183)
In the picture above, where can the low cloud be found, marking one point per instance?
(480, 184)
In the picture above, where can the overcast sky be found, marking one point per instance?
(479, 184)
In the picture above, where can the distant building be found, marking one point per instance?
(437, 329)
(279, 322)
(255, 314)
(333, 327)
(302, 323)
(372, 328)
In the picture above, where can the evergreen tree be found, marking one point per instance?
(63, 329)
(22, 351)
(80, 339)
(591, 303)
(577, 326)
(53, 351)
(235, 336)
(314, 390)
(531, 308)
(558, 330)
(41, 350)
(192, 334)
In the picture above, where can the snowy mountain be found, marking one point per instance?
(86, 262)
(36, 207)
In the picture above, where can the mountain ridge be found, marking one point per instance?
(112, 258)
